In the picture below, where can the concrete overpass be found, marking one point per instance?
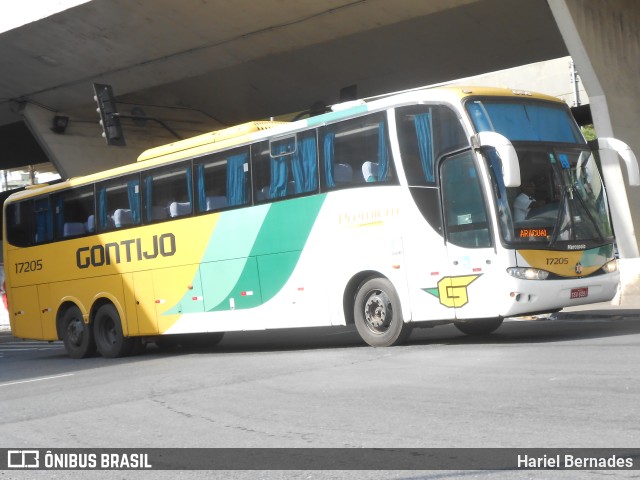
(198, 65)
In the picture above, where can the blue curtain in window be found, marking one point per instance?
(134, 204)
(148, 183)
(480, 120)
(383, 154)
(60, 215)
(525, 122)
(329, 140)
(103, 214)
(279, 176)
(44, 221)
(189, 186)
(202, 194)
(422, 123)
(236, 179)
(305, 166)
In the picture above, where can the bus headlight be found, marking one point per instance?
(610, 267)
(528, 273)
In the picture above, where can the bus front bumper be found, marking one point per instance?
(537, 296)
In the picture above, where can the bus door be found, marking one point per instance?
(469, 283)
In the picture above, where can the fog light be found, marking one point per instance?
(611, 267)
(528, 273)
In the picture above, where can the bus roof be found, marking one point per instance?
(236, 135)
(471, 91)
(226, 137)
(243, 133)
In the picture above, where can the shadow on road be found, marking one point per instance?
(563, 327)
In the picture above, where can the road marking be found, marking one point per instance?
(26, 348)
(36, 380)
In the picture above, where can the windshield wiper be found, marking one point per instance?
(586, 209)
(563, 198)
(556, 227)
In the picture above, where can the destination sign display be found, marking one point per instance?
(539, 232)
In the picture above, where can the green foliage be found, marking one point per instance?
(589, 132)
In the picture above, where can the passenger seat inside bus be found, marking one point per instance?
(158, 213)
(72, 229)
(370, 171)
(90, 224)
(178, 209)
(216, 202)
(343, 173)
(262, 194)
(121, 217)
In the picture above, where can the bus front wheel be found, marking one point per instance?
(377, 314)
(77, 336)
(107, 330)
(483, 326)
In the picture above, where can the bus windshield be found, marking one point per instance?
(525, 121)
(561, 199)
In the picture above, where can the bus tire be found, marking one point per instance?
(483, 326)
(377, 314)
(107, 330)
(77, 336)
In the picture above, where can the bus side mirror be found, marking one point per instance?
(506, 152)
(622, 149)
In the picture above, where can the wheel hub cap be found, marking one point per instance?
(376, 310)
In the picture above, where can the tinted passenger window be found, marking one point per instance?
(285, 167)
(222, 180)
(167, 192)
(19, 221)
(75, 214)
(426, 133)
(118, 203)
(356, 152)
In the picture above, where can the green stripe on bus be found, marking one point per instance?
(277, 248)
(251, 254)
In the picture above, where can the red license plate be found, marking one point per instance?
(579, 292)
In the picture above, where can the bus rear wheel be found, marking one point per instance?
(483, 326)
(377, 314)
(107, 330)
(77, 336)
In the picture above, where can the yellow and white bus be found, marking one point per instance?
(389, 214)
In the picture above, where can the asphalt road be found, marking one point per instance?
(572, 382)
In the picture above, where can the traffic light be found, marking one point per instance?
(109, 118)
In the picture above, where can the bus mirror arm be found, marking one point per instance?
(506, 152)
(625, 152)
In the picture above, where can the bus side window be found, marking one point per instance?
(74, 209)
(20, 216)
(285, 167)
(425, 133)
(356, 152)
(167, 192)
(222, 180)
(118, 203)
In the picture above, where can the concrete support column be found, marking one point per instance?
(604, 41)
